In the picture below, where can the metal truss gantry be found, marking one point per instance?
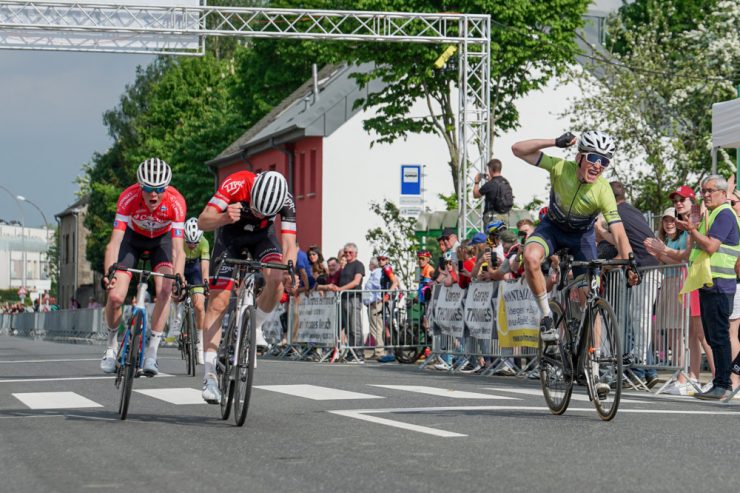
(156, 29)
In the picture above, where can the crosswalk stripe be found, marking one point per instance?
(454, 394)
(178, 396)
(537, 392)
(316, 393)
(55, 400)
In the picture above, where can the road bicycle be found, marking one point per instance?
(130, 357)
(588, 349)
(403, 320)
(188, 338)
(237, 353)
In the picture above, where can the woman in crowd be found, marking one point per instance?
(318, 268)
(683, 198)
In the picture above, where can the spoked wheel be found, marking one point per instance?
(556, 375)
(189, 342)
(411, 348)
(128, 368)
(246, 363)
(603, 361)
(225, 381)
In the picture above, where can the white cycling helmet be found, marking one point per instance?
(382, 254)
(268, 193)
(193, 233)
(154, 173)
(598, 142)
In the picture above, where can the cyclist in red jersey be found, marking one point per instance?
(244, 208)
(150, 217)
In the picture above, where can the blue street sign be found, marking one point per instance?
(410, 179)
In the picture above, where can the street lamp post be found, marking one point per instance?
(23, 236)
(43, 216)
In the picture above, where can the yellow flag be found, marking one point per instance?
(699, 276)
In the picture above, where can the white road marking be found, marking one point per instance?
(454, 394)
(179, 396)
(64, 379)
(316, 393)
(398, 424)
(574, 396)
(55, 400)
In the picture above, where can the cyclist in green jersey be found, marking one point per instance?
(579, 193)
(197, 262)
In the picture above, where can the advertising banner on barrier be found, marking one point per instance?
(272, 328)
(479, 309)
(317, 319)
(448, 310)
(518, 315)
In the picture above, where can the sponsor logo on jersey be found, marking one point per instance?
(232, 186)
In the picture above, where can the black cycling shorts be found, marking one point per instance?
(261, 245)
(134, 245)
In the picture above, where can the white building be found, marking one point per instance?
(14, 240)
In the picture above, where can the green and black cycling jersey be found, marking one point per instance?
(575, 205)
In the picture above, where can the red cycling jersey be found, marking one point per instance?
(132, 211)
(237, 187)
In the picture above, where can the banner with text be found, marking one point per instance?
(272, 328)
(448, 310)
(479, 309)
(518, 315)
(317, 319)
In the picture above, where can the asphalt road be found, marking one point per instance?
(320, 427)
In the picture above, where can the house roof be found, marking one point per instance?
(74, 207)
(302, 115)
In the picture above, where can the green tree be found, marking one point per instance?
(656, 101)
(530, 43)
(397, 238)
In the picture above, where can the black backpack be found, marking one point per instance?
(503, 201)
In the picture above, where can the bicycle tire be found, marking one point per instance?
(130, 365)
(190, 335)
(408, 355)
(556, 375)
(245, 366)
(225, 382)
(607, 362)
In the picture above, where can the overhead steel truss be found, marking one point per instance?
(119, 24)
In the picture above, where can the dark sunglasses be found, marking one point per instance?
(733, 202)
(594, 158)
(148, 189)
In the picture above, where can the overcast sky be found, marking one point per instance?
(51, 122)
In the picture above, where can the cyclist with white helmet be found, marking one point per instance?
(150, 218)
(244, 209)
(578, 193)
(197, 262)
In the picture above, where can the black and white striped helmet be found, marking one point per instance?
(193, 233)
(268, 193)
(154, 172)
(598, 142)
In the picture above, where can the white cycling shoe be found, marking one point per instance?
(211, 394)
(150, 367)
(108, 363)
(261, 343)
(602, 390)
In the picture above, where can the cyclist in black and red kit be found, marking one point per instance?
(244, 208)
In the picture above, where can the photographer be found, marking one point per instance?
(493, 252)
(499, 197)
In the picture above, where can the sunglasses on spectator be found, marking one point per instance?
(594, 158)
(676, 201)
(733, 202)
(148, 189)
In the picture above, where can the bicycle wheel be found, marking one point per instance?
(225, 367)
(246, 363)
(410, 350)
(556, 375)
(602, 358)
(128, 368)
(189, 336)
